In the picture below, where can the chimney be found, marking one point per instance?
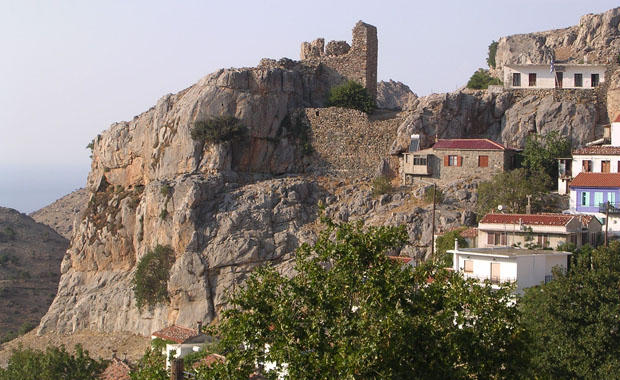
(456, 244)
(436, 137)
(199, 327)
(113, 354)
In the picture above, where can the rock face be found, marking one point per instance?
(506, 117)
(30, 256)
(596, 39)
(394, 95)
(62, 214)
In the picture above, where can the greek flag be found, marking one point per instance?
(552, 67)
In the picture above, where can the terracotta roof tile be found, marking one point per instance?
(528, 219)
(617, 119)
(599, 150)
(596, 180)
(117, 370)
(402, 259)
(469, 233)
(176, 333)
(473, 144)
(209, 360)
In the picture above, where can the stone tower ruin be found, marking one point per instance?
(357, 62)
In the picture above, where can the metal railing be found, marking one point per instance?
(492, 279)
(614, 208)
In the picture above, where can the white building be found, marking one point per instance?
(180, 341)
(580, 76)
(526, 267)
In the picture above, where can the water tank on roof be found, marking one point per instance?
(414, 146)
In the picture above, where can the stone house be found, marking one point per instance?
(578, 76)
(180, 341)
(526, 267)
(543, 230)
(455, 159)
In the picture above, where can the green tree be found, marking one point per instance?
(381, 185)
(351, 95)
(445, 242)
(574, 320)
(492, 53)
(55, 363)
(351, 313)
(219, 129)
(541, 153)
(150, 281)
(481, 80)
(510, 189)
(152, 366)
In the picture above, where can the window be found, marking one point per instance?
(516, 80)
(585, 198)
(497, 238)
(532, 79)
(598, 198)
(406, 158)
(578, 80)
(605, 167)
(586, 166)
(559, 78)
(483, 161)
(573, 239)
(611, 198)
(543, 240)
(469, 266)
(594, 80)
(419, 160)
(452, 160)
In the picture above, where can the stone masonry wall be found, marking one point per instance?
(346, 142)
(358, 63)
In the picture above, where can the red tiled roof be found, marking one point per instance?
(528, 219)
(209, 360)
(617, 119)
(469, 233)
(597, 150)
(596, 180)
(176, 333)
(117, 370)
(474, 144)
(402, 259)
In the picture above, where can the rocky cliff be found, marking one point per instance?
(30, 255)
(63, 213)
(226, 208)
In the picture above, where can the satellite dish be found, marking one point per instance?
(500, 207)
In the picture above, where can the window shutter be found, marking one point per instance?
(459, 161)
(491, 238)
(504, 239)
(446, 160)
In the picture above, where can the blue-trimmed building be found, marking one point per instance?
(597, 194)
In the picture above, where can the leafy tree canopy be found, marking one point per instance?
(510, 189)
(351, 313)
(53, 364)
(150, 281)
(445, 242)
(492, 53)
(481, 80)
(351, 95)
(152, 366)
(219, 129)
(574, 319)
(541, 153)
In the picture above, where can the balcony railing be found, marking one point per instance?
(492, 279)
(614, 208)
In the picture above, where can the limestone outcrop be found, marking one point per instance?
(63, 213)
(596, 39)
(394, 95)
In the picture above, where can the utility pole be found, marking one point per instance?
(606, 221)
(433, 224)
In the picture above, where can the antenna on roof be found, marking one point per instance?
(500, 207)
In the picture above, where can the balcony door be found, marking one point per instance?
(605, 167)
(495, 273)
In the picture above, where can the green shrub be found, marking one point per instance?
(219, 129)
(428, 195)
(445, 242)
(381, 185)
(150, 282)
(166, 190)
(298, 127)
(163, 214)
(481, 80)
(492, 53)
(351, 95)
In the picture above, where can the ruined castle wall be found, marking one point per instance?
(359, 63)
(347, 142)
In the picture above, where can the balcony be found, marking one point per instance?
(614, 208)
(496, 280)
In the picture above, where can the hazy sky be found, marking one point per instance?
(68, 69)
